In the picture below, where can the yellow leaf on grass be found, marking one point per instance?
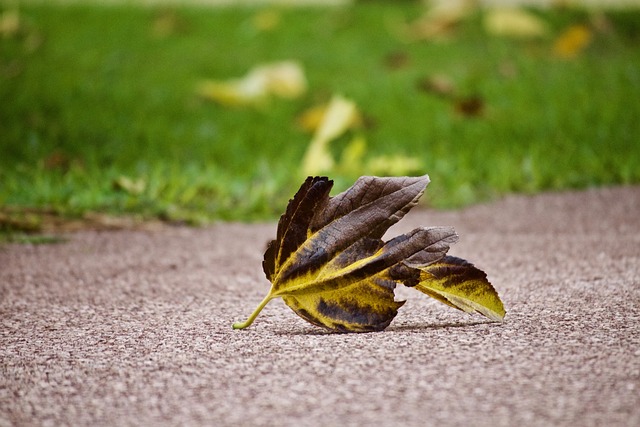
(440, 20)
(284, 79)
(340, 115)
(514, 22)
(10, 23)
(311, 119)
(572, 41)
(352, 155)
(167, 23)
(394, 165)
(132, 186)
(266, 20)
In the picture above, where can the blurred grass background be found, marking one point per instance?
(99, 110)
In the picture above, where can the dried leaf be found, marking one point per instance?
(266, 20)
(340, 115)
(572, 41)
(438, 84)
(10, 23)
(514, 22)
(440, 21)
(394, 165)
(132, 186)
(331, 266)
(281, 79)
(353, 154)
(459, 284)
(167, 23)
(472, 106)
(397, 60)
(311, 118)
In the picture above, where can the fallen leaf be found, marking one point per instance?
(514, 22)
(472, 106)
(352, 155)
(340, 115)
(397, 60)
(572, 41)
(330, 265)
(438, 84)
(167, 23)
(266, 20)
(394, 165)
(132, 186)
(284, 79)
(440, 20)
(309, 120)
(459, 284)
(10, 23)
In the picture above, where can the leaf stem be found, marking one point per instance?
(249, 321)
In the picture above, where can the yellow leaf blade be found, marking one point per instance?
(365, 306)
(284, 79)
(572, 42)
(514, 22)
(459, 284)
(331, 266)
(339, 115)
(415, 246)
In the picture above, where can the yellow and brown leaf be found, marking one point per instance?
(461, 285)
(330, 265)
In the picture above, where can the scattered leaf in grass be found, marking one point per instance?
(352, 156)
(572, 41)
(311, 119)
(438, 84)
(394, 165)
(330, 265)
(440, 21)
(10, 23)
(266, 20)
(472, 106)
(514, 22)
(443, 86)
(284, 79)
(340, 115)
(397, 60)
(134, 187)
(167, 23)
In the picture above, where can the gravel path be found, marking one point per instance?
(134, 328)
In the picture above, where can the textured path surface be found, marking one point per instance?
(134, 328)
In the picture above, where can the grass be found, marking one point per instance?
(94, 97)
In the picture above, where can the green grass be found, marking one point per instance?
(90, 94)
